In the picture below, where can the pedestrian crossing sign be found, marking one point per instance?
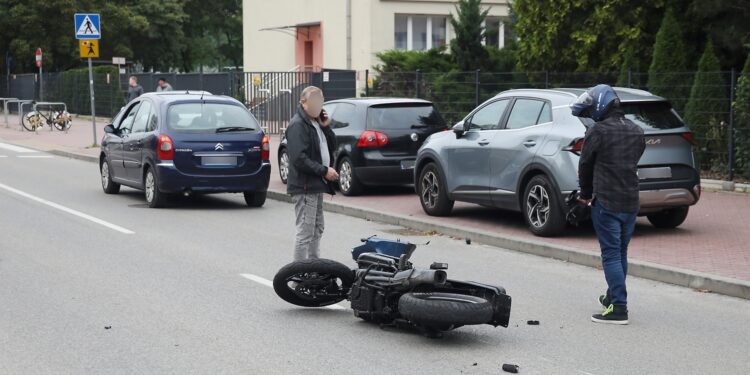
(88, 26)
(89, 48)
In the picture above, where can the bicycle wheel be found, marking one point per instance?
(31, 121)
(62, 120)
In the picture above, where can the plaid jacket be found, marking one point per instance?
(608, 167)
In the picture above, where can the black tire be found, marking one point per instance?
(109, 186)
(154, 197)
(255, 199)
(339, 277)
(671, 218)
(541, 207)
(444, 310)
(349, 185)
(283, 165)
(26, 123)
(432, 191)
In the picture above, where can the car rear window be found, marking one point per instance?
(404, 116)
(652, 115)
(208, 117)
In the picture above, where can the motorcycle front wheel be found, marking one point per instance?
(313, 282)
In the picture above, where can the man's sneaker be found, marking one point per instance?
(613, 314)
(604, 301)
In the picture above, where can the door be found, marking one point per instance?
(467, 158)
(514, 146)
(132, 147)
(124, 130)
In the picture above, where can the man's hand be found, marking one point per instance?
(331, 175)
(327, 120)
(585, 201)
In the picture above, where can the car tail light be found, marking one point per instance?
(576, 146)
(690, 137)
(265, 148)
(371, 138)
(165, 148)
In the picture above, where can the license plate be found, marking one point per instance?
(654, 173)
(218, 160)
(407, 164)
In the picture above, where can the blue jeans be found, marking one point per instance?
(614, 229)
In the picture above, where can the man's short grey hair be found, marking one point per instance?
(308, 91)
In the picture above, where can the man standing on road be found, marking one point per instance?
(163, 85)
(608, 174)
(134, 89)
(310, 144)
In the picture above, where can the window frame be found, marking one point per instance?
(501, 120)
(428, 30)
(515, 99)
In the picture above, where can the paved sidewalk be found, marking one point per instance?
(714, 240)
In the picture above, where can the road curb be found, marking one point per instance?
(647, 270)
(638, 268)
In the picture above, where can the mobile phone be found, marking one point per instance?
(322, 116)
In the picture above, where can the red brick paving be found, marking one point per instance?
(714, 239)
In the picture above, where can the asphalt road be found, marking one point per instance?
(98, 284)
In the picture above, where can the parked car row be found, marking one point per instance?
(517, 151)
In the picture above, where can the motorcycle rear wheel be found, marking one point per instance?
(313, 282)
(443, 311)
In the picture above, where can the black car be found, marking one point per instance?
(377, 139)
(185, 143)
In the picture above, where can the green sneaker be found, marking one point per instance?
(613, 314)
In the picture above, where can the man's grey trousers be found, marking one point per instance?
(309, 212)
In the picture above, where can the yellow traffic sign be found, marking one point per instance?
(89, 48)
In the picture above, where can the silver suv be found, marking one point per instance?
(520, 149)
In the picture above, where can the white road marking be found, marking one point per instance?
(15, 148)
(268, 283)
(3, 156)
(35, 156)
(68, 210)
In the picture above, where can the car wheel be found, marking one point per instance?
(154, 197)
(541, 207)
(109, 186)
(432, 192)
(348, 183)
(255, 199)
(283, 165)
(671, 218)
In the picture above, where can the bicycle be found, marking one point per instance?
(60, 120)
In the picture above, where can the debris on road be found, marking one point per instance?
(468, 241)
(533, 322)
(507, 367)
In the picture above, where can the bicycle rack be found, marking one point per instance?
(51, 105)
(21, 103)
(5, 108)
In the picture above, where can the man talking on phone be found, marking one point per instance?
(310, 145)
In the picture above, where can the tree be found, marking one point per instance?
(705, 111)
(667, 75)
(742, 121)
(466, 48)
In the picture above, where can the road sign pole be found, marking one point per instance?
(93, 106)
(41, 84)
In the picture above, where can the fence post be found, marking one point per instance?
(731, 124)
(476, 88)
(367, 82)
(630, 78)
(546, 79)
(417, 84)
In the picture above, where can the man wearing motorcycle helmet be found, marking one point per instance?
(608, 176)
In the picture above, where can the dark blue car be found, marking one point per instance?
(185, 143)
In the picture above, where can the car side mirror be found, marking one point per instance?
(460, 129)
(109, 128)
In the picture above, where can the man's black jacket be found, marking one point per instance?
(608, 167)
(306, 169)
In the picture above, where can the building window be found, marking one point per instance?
(419, 32)
(497, 32)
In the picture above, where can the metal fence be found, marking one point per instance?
(455, 94)
(271, 96)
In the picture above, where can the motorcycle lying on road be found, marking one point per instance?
(386, 289)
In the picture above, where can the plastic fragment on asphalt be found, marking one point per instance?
(533, 322)
(507, 367)
(468, 241)
(107, 327)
